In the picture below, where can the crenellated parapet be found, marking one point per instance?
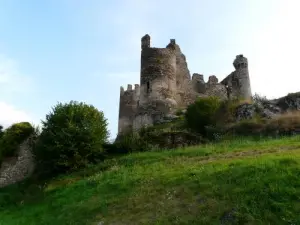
(210, 88)
(214, 88)
(130, 91)
(145, 41)
(240, 62)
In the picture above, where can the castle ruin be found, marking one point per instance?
(166, 86)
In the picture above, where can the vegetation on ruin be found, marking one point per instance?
(12, 137)
(202, 113)
(285, 124)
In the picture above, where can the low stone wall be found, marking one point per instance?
(16, 169)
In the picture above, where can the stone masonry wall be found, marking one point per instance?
(129, 101)
(183, 79)
(158, 74)
(18, 168)
(211, 88)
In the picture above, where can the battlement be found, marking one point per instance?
(172, 44)
(146, 43)
(198, 77)
(212, 80)
(240, 62)
(130, 89)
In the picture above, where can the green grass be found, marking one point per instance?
(233, 182)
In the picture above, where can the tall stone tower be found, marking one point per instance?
(241, 80)
(157, 83)
(158, 72)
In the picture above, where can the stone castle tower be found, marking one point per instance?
(166, 85)
(239, 80)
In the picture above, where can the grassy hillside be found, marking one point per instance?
(234, 182)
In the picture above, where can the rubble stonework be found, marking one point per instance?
(166, 85)
(17, 168)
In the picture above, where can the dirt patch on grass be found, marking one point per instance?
(238, 154)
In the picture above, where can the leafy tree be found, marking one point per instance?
(13, 136)
(202, 113)
(72, 137)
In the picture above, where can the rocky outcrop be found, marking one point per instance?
(17, 168)
(289, 102)
(267, 110)
(244, 112)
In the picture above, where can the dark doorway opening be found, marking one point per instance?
(148, 87)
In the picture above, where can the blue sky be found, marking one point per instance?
(60, 50)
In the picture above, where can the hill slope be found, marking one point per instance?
(237, 182)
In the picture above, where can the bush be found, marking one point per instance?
(285, 124)
(72, 137)
(281, 125)
(248, 128)
(260, 100)
(202, 113)
(13, 136)
(132, 142)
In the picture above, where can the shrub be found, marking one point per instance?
(260, 100)
(13, 136)
(72, 137)
(285, 124)
(132, 142)
(202, 113)
(215, 133)
(248, 128)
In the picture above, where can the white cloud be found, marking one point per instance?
(275, 56)
(10, 114)
(12, 84)
(11, 80)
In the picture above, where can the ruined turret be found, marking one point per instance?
(157, 82)
(238, 82)
(241, 79)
